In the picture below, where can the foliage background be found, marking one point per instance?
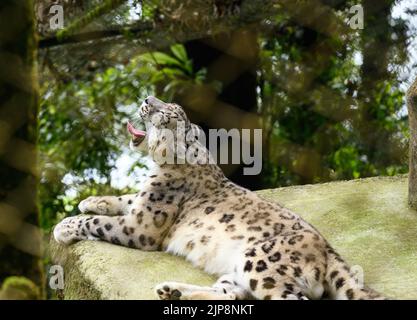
(329, 99)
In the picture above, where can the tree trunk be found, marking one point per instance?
(230, 59)
(20, 236)
(412, 118)
(376, 45)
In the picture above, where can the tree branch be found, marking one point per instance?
(251, 11)
(95, 35)
(86, 19)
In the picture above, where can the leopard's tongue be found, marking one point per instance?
(135, 132)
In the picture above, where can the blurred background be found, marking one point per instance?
(329, 97)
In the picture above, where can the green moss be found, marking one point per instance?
(99, 270)
(19, 288)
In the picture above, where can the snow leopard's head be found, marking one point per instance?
(168, 136)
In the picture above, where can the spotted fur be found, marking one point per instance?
(258, 248)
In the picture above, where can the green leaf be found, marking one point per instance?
(157, 77)
(173, 72)
(179, 51)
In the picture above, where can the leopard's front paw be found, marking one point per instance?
(87, 205)
(69, 231)
(167, 291)
(97, 205)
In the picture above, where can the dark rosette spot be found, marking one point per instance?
(261, 266)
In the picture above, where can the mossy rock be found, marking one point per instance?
(99, 270)
(366, 220)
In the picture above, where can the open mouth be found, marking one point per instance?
(137, 135)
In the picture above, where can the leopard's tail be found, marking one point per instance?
(343, 283)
